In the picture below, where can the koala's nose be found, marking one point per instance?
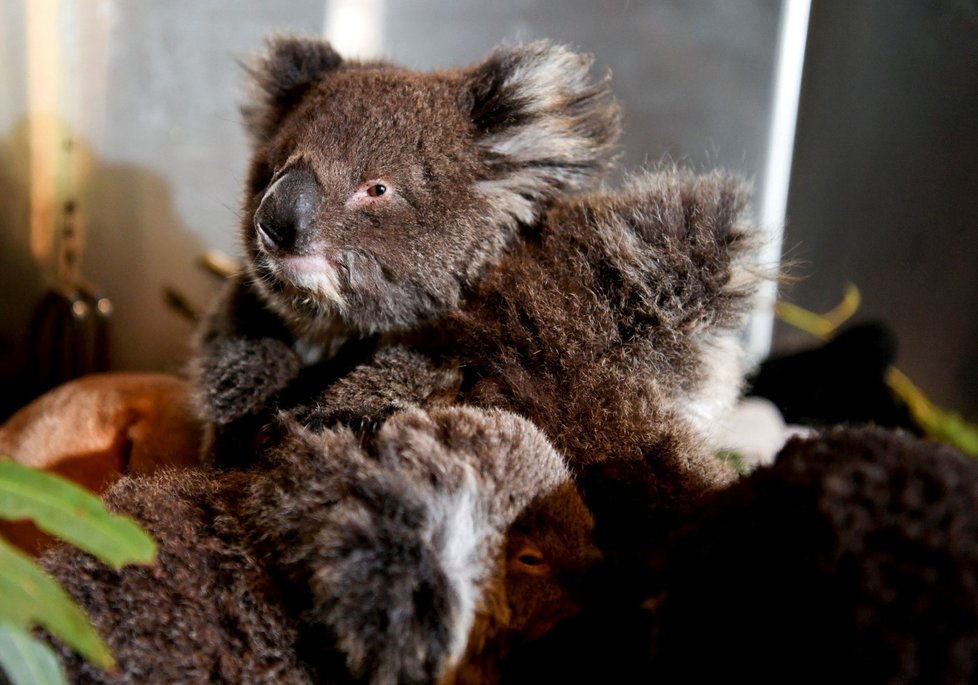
(287, 208)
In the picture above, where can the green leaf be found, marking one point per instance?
(26, 660)
(951, 427)
(71, 513)
(31, 597)
(735, 461)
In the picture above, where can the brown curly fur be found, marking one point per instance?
(333, 562)
(853, 555)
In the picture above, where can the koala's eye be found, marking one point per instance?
(529, 559)
(370, 192)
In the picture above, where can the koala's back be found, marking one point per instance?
(206, 612)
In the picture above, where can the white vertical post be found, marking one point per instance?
(792, 39)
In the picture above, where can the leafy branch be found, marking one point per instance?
(34, 599)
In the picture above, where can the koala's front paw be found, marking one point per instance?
(242, 377)
(393, 380)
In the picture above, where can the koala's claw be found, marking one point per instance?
(364, 419)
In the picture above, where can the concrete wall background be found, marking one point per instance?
(884, 188)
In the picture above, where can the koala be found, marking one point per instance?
(413, 559)
(425, 239)
(376, 197)
(419, 241)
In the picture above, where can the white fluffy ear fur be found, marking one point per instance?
(543, 124)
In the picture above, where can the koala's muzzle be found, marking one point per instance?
(287, 209)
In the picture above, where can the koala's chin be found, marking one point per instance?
(300, 288)
(313, 274)
(322, 293)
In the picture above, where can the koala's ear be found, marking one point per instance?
(280, 78)
(543, 124)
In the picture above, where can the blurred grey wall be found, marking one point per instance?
(149, 94)
(146, 96)
(884, 188)
(694, 77)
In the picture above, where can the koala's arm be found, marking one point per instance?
(392, 379)
(393, 543)
(244, 357)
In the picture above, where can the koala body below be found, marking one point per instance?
(850, 559)
(424, 556)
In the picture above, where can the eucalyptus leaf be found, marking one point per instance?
(73, 514)
(26, 660)
(31, 597)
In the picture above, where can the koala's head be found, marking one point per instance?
(377, 194)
